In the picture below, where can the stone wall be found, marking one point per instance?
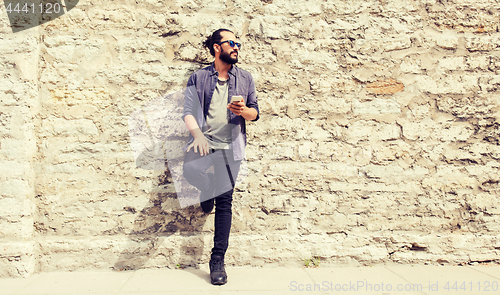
(378, 140)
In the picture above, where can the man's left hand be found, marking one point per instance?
(237, 107)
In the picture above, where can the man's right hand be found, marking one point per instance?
(199, 144)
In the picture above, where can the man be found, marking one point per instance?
(219, 99)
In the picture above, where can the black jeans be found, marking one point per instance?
(225, 171)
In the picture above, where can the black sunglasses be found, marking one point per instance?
(231, 43)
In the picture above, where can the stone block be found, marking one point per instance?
(344, 8)
(468, 106)
(115, 18)
(478, 62)
(13, 169)
(485, 149)
(307, 170)
(449, 179)
(344, 153)
(271, 27)
(17, 228)
(484, 202)
(481, 43)
(11, 149)
(409, 187)
(489, 84)
(307, 150)
(16, 188)
(369, 46)
(68, 49)
(410, 66)
(14, 209)
(371, 131)
(447, 41)
(451, 64)
(17, 259)
(74, 127)
(394, 173)
(341, 171)
(457, 84)
(376, 106)
(454, 132)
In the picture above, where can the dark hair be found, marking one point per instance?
(214, 39)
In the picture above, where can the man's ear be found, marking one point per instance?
(216, 48)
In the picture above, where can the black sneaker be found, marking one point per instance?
(218, 274)
(208, 204)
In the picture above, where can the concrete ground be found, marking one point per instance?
(480, 279)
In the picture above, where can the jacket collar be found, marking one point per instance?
(232, 71)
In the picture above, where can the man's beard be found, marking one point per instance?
(226, 57)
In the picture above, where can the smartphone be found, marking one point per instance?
(236, 98)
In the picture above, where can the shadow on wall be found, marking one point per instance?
(25, 15)
(169, 231)
(164, 221)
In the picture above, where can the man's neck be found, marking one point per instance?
(222, 68)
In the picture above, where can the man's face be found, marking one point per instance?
(228, 54)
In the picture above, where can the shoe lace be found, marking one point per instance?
(217, 265)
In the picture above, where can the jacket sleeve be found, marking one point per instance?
(191, 101)
(252, 98)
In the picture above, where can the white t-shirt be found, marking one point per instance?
(218, 133)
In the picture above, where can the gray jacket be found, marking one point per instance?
(198, 95)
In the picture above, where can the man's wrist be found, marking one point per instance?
(197, 133)
(249, 114)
